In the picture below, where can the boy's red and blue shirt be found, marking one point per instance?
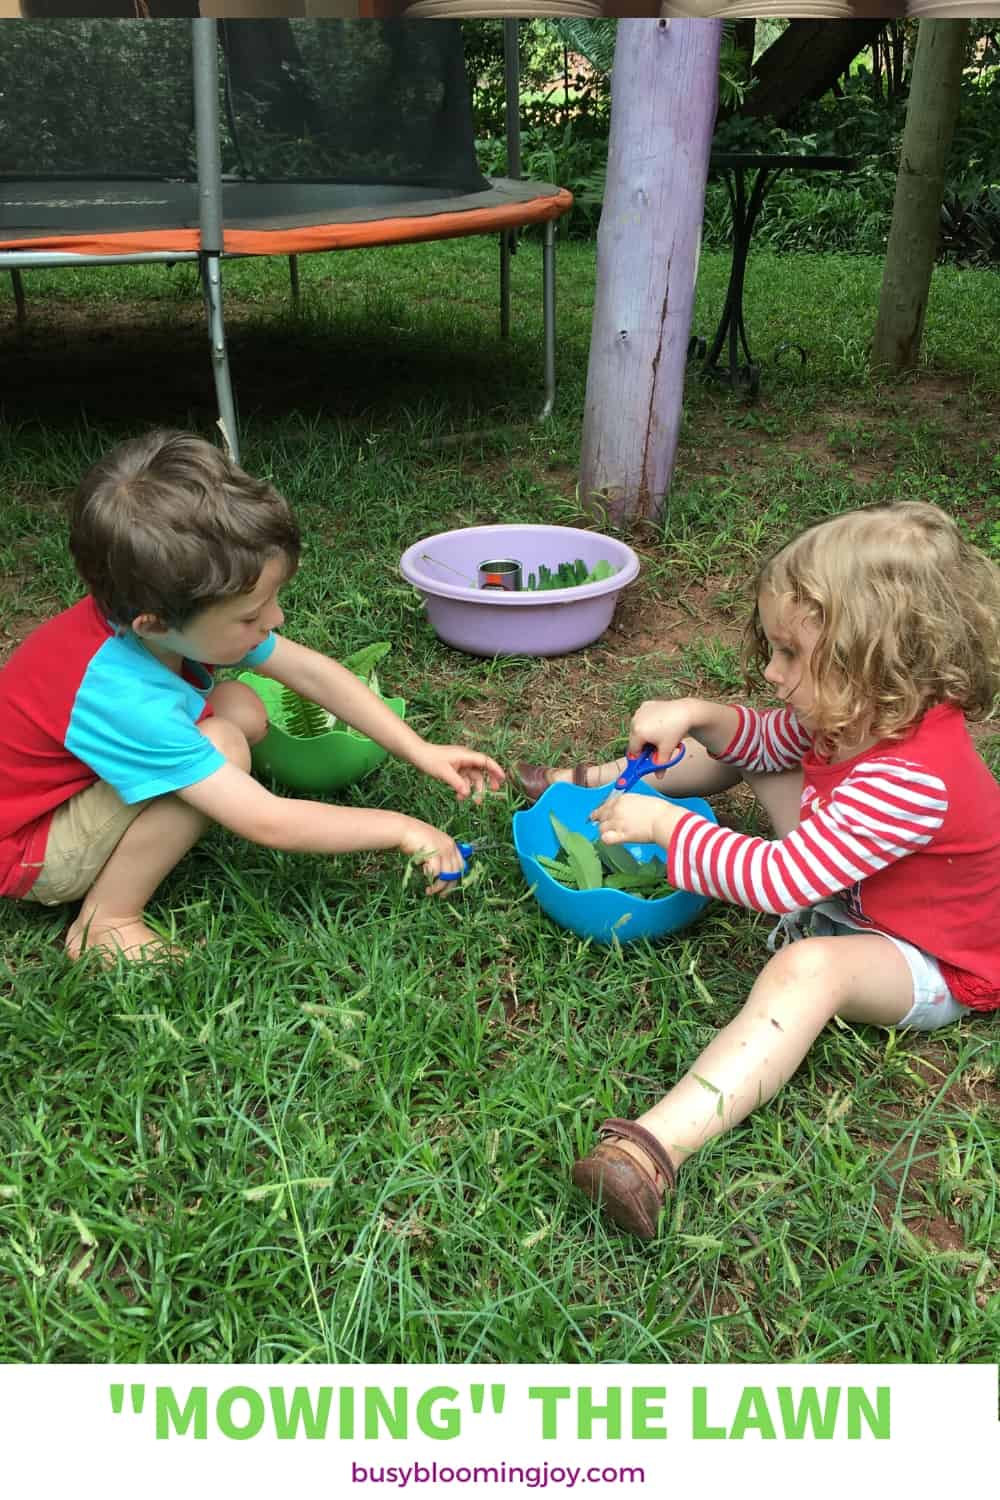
(83, 701)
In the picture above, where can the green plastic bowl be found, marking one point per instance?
(320, 763)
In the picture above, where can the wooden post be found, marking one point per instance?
(664, 92)
(931, 112)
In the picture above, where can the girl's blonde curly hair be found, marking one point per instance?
(908, 614)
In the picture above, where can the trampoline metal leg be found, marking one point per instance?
(211, 280)
(293, 273)
(505, 283)
(549, 316)
(18, 285)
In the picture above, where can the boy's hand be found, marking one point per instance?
(441, 854)
(633, 819)
(467, 771)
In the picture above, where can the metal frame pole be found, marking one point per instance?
(204, 43)
(18, 285)
(512, 85)
(549, 315)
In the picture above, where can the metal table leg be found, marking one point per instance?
(732, 328)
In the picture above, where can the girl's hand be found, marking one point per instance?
(468, 771)
(441, 851)
(633, 819)
(663, 723)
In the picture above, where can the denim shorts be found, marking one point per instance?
(933, 1003)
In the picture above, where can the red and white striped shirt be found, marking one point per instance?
(909, 829)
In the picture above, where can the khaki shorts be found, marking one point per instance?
(83, 835)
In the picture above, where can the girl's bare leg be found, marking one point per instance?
(863, 978)
(697, 775)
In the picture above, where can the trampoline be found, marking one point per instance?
(272, 138)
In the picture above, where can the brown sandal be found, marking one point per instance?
(628, 1193)
(535, 779)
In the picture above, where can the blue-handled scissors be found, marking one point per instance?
(466, 851)
(641, 765)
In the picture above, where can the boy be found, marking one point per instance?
(117, 747)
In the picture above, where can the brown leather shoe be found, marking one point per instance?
(627, 1191)
(535, 779)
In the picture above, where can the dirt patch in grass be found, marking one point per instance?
(868, 441)
(569, 697)
(14, 629)
(645, 624)
(938, 1231)
(977, 1088)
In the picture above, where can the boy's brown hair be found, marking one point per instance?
(166, 525)
(908, 614)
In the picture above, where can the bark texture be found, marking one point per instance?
(664, 91)
(916, 210)
(806, 60)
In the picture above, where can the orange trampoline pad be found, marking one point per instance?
(530, 203)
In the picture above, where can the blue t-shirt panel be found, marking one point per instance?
(134, 722)
(259, 655)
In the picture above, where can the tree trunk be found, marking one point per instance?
(877, 68)
(803, 63)
(664, 91)
(898, 55)
(916, 211)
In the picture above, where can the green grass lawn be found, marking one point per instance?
(342, 1129)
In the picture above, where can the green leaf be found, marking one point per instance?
(600, 571)
(618, 859)
(363, 663)
(302, 718)
(594, 40)
(581, 854)
(648, 880)
(558, 869)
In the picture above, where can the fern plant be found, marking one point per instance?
(304, 720)
(301, 718)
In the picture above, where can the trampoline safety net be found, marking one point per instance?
(362, 102)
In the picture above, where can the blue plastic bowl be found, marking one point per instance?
(602, 915)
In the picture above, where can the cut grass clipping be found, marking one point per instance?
(587, 865)
(570, 575)
(305, 720)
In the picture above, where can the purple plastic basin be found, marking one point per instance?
(487, 622)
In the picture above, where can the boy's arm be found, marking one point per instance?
(334, 688)
(231, 797)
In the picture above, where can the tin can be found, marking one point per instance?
(500, 573)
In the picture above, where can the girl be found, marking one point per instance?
(879, 630)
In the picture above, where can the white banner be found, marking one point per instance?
(436, 1431)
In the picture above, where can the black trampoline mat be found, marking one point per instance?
(70, 207)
